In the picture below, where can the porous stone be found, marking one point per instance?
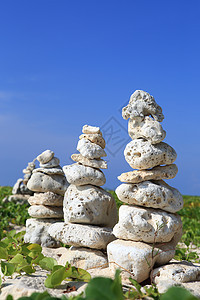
(40, 182)
(94, 138)
(50, 171)
(47, 198)
(16, 187)
(81, 235)
(45, 156)
(155, 194)
(142, 104)
(157, 173)
(94, 163)
(54, 162)
(80, 175)
(136, 258)
(146, 224)
(91, 130)
(148, 129)
(177, 273)
(17, 198)
(88, 204)
(42, 211)
(141, 154)
(37, 232)
(89, 149)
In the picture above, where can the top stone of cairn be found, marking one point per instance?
(142, 104)
(91, 129)
(45, 156)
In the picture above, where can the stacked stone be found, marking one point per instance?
(49, 184)
(89, 211)
(150, 219)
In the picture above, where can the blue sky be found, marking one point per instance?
(65, 63)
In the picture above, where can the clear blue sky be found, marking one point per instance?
(65, 63)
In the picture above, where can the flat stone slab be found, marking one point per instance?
(94, 138)
(81, 235)
(155, 194)
(141, 154)
(148, 129)
(95, 163)
(47, 198)
(156, 173)
(80, 175)
(40, 182)
(42, 211)
(54, 162)
(91, 129)
(146, 224)
(37, 233)
(89, 204)
(50, 171)
(90, 150)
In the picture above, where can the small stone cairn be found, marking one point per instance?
(150, 219)
(89, 211)
(49, 184)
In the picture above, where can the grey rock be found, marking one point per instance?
(89, 149)
(45, 156)
(47, 198)
(54, 162)
(97, 163)
(42, 211)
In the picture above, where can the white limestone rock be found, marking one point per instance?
(50, 171)
(97, 163)
(91, 130)
(54, 162)
(89, 149)
(155, 194)
(156, 173)
(136, 257)
(47, 198)
(142, 104)
(42, 211)
(94, 138)
(40, 182)
(81, 235)
(185, 274)
(88, 204)
(16, 187)
(80, 175)
(37, 233)
(45, 156)
(148, 129)
(141, 154)
(146, 224)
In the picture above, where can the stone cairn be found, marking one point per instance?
(89, 211)
(150, 219)
(49, 185)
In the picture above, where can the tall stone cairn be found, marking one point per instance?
(49, 185)
(89, 211)
(149, 220)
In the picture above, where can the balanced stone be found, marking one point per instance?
(40, 182)
(142, 104)
(95, 163)
(42, 211)
(80, 175)
(89, 149)
(47, 198)
(148, 129)
(156, 173)
(50, 171)
(135, 257)
(89, 204)
(91, 129)
(37, 233)
(155, 194)
(141, 154)
(54, 162)
(146, 224)
(45, 156)
(81, 235)
(94, 138)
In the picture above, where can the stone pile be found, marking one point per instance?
(150, 219)
(89, 211)
(49, 185)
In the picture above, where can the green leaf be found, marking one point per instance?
(59, 275)
(34, 248)
(80, 274)
(3, 253)
(7, 268)
(18, 259)
(37, 257)
(28, 269)
(177, 293)
(0, 281)
(9, 297)
(47, 263)
(117, 285)
(136, 285)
